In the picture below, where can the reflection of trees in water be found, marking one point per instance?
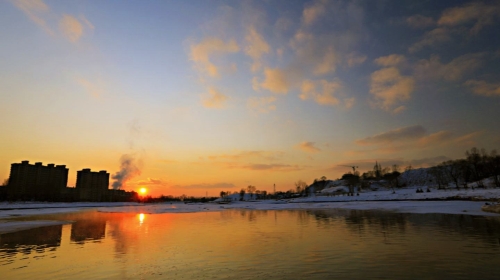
(250, 215)
(364, 222)
(479, 227)
(37, 239)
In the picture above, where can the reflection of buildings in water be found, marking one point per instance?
(86, 230)
(36, 239)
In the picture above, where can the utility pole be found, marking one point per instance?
(274, 185)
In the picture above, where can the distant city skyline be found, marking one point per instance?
(190, 97)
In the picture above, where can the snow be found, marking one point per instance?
(405, 200)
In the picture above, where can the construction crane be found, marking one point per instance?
(351, 166)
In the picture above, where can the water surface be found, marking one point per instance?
(245, 244)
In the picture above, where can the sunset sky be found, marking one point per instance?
(204, 96)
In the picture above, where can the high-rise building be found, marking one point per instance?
(92, 186)
(36, 181)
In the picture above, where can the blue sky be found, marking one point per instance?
(218, 95)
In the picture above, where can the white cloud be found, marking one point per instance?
(256, 47)
(201, 53)
(322, 91)
(389, 88)
(215, 99)
(276, 81)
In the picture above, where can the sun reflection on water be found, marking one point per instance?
(141, 218)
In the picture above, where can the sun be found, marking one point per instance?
(143, 191)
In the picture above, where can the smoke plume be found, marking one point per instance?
(128, 169)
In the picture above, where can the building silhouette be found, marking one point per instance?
(36, 181)
(49, 183)
(92, 186)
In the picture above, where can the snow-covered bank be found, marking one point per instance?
(6, 227)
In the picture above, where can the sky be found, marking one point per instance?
(196, 97)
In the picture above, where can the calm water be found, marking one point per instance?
(239, 244)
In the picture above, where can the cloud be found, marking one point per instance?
(276, 81)
(389, 87)
(327, 63)
(428, 162)
(420, 21)
(483, 88)
(151, 181)
(468, 139)
(436, 138)
(325, 96)
(480, 13)
(308, 147)
(262, 104)
(245, 155)
(267, 167)
(455, 70)
(354, 59)
(257, 46)
(313, 12)
(390, 60)
(430, 38)
(207, 186)
(349, 102)
(35, 10)
(215, 99)
(93, 89)
(202, 52)
(396, 135)
(71, 28)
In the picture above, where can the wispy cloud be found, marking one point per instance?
(391, 60)
(309, 147)
(436, 138)
(246, 155)
(400, 134)
(420, 21)
(274, 167)
(483, 88)
(431, 38)
(481, 14)
(71, 28)
(202, 186)
(37, 11)
(262, 104)
(455, 70)
(312, 13)
(256, 47)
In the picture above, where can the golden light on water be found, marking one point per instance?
(141, 218)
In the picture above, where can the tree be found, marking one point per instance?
(251, 189)
(439, 176)
(453, 170)
(222, 193)
(300, 186)
(352, 181)
(377, 170)
(242, 194)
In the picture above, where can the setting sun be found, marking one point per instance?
(143, 191)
